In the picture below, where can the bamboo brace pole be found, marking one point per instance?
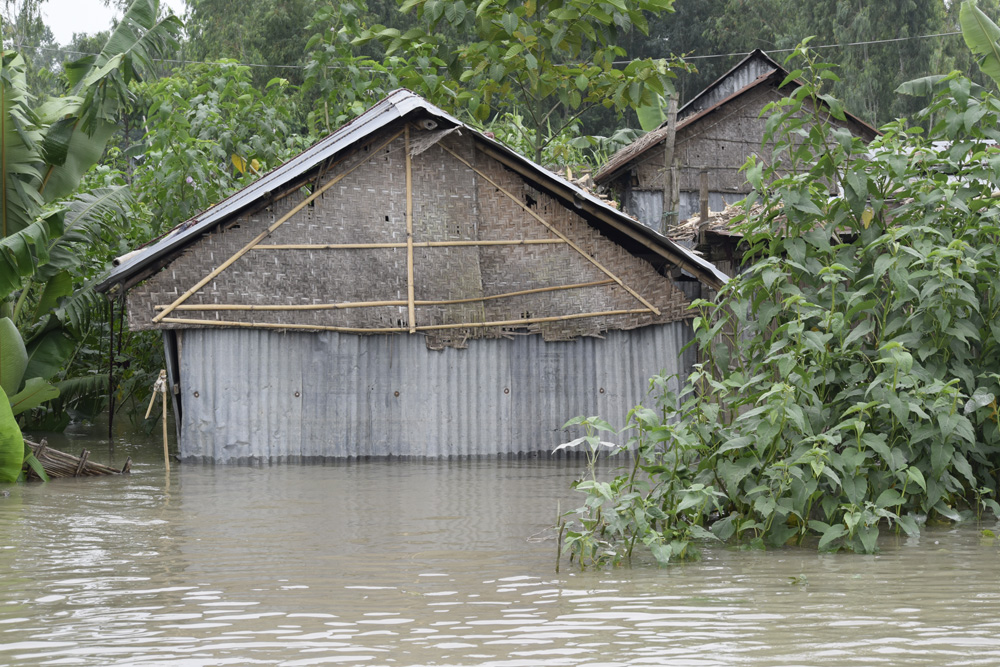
(411, 313)
(555, 231)
(213, 307)
(267, 232)
(160, 386)
(426, 327)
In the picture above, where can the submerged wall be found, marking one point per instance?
(252, 395)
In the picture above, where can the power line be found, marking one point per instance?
(832, 46)
(175, 61)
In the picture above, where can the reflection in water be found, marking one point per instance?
(443, 563)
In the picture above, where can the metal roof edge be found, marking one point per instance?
(756, 53)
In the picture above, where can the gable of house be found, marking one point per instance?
(712, 143)
(413, 229)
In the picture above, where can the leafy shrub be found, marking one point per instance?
(860, 394)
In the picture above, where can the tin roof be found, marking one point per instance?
(395, 106)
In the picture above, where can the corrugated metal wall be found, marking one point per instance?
(261, 396)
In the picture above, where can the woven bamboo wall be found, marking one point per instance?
(720, 142)
(456, 197)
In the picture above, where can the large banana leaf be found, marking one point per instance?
(982, 36)
(102, 83)
(19, 202)
(87, 216)
(13, 356)
(50, 244)
(11, 443)
(23, 251)
(36, 391)
(49, 349)
(82, 151)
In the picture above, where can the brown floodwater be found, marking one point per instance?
(441, 563)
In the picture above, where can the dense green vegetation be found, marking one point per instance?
(50, 227)
(851, 372)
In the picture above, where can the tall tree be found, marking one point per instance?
(550, 61)
(263, 32)
(879, 45)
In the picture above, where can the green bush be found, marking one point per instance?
(860, 394)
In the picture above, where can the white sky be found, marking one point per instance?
(65, 17)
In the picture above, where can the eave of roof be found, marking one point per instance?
(395, 106)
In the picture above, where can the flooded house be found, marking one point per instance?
(407, 287)
(693, 166)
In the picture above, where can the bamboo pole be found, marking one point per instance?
(163, 397)
(533, 320)
(411, 312)
(419, 244)
(370, 304)
(426, 327)
(160, 386)
(669, 217)
(260, 237)
(555, 231)
(266, 325)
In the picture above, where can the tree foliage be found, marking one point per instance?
(208, 132)
(45, 224)
(547, 60)
(851, 371)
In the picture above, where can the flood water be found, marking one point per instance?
(441, 563)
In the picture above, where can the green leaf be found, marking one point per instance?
(49, 350)
(889, 498)
(13, 356)
(855, 488)
(982, 36)
(57, 287)
(917, 477)
(32, 462)
(921, 87)
(509, 22)
(869, 538)
(830, 534)
(11, 443)
(455, 12)
(651, 116)
(36, 391)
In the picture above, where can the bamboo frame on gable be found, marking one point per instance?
(410, 245)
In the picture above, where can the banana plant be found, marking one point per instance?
(14, 453)
(982, 36)
(46, 147)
